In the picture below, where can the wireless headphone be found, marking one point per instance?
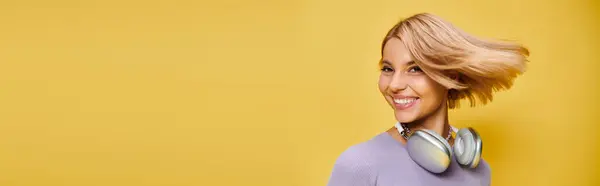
(432, 152)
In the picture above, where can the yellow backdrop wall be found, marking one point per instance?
(268, 92)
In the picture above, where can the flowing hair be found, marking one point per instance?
(440, 49)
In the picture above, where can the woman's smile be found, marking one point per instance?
(403, 103)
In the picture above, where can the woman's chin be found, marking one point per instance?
(404, 117)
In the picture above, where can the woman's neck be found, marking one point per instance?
(436, 121)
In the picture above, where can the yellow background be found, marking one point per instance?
(268, 92)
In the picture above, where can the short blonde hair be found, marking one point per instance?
(441, 49)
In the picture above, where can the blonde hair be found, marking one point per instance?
(441, 49)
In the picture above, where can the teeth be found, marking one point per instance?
(404, 101)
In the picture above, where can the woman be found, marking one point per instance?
(427, 67)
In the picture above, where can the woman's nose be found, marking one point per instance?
(399, 82)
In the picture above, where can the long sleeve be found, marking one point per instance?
(382, 161)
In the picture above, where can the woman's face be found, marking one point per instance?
(410, 92)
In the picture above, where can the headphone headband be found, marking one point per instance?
(401, 129)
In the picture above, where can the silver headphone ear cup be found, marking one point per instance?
(440, 139)
(467, 147)
(428, 151)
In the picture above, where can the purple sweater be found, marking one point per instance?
(383, 161)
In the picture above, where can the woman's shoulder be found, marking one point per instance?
(368, 150)
(357, 164)
(484, 169)
(369, 153)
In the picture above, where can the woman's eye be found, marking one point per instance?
(387, 69)
(414, 69)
